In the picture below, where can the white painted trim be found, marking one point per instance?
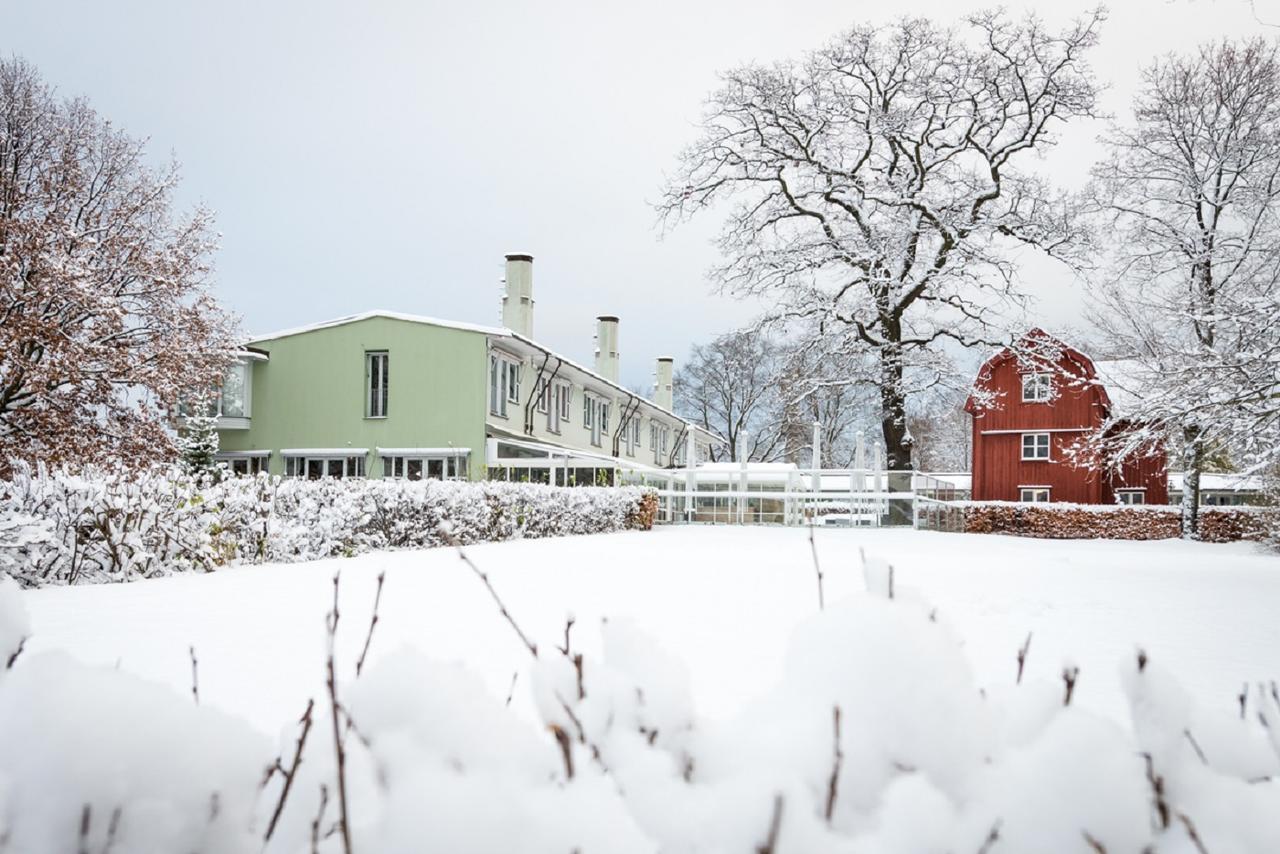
(1034, 486)
(1131, 489)
(421, 452)
(240, 455)
(323, 452)
(1038, 430)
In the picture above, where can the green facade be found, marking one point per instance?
(312, 391)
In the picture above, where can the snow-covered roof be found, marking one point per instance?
(1121, 379)
(390, 315)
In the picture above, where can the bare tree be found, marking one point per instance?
(874, 183)
(106, 321)
(1192, 192)
(730, 387)
(829, 387)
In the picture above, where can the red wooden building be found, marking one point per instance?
(1031, 407)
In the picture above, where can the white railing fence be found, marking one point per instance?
(763, 493)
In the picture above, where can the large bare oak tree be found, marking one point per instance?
(870, 188)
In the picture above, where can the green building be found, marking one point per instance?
(383, 394)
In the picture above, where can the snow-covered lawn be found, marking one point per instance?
(724, 599)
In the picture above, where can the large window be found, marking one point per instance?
(315, 465)
(244, 462)
(504, 383)
(1034, 494)
(595, 417)
(1037, 388)
(436, 466)
(233, 402)
(1035, 446)
(377, 385)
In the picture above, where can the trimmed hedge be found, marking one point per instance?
(1082, 521)
(63, 527)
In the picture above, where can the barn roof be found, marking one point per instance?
(1037, 344)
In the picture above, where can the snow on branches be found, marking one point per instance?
(64, 527)
(877, 180)
(106, 320)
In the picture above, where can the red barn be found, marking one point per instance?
(1030, 407)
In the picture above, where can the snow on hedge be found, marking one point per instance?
(62, 527)
(875, 739)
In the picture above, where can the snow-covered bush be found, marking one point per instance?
(62, 527)
(876, 739)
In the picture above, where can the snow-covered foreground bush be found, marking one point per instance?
(64, 527)
(875, 739)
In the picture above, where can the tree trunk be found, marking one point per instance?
(1192, 461)
(893, 413)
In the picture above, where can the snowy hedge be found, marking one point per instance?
(875, 739)
(64, 527)
(1084, 521)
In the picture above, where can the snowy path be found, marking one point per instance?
(726, 598)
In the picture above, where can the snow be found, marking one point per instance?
(726, 598)
(711, 693)
(1122, 378)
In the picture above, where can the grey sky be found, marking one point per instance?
(387, 154)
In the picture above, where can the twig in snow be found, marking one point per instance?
(453, 541)
(1243, 698)
(86, 816)
(1196, 746)
(1157, 792)
(8, 665)
(292, 772)
(373, 621)
(993, 836)
(1191, 832)
(566, 748)
(775, 826)
(511, 692)
(195, 678)
(315, 822)
(817, 567)
(340, 752)
(890, 581)
(1069, 677)
(568, 626)
(1022, 657)
(582, 734)
(1142, 660)
(1093, 843)
(835, 767)
(113, 826)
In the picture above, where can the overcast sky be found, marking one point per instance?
(387, 154)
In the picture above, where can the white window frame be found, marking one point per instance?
(1036, 446)
(298, 463)
(1131, 493)
(542, 395)
(376, 395)
(452, 465)
(564, 400)
(504, 383)
(244, 463)
(1035, 492)
(1037, 387)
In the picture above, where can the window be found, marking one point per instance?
(451, 466)
(504, 383)
(316, 466)
(233, 401)
(376, 384)
(244, 463)
(542, 394)
(588, 411)
(659, 438)
(564, 400)
(595, 417)
(1035, 446)
(1131, 496)
(1036, 388)
(1034, 494)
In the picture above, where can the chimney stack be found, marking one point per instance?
(517, 297)
(607, 347)
(663, 388)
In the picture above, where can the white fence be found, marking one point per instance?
(781, 494)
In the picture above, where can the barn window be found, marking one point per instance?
(1035, 446)
(1034, 494)
(1036, 388)
(1131, 496)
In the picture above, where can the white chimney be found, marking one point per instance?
(517, 298)
(662, 391)
(607, 347)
